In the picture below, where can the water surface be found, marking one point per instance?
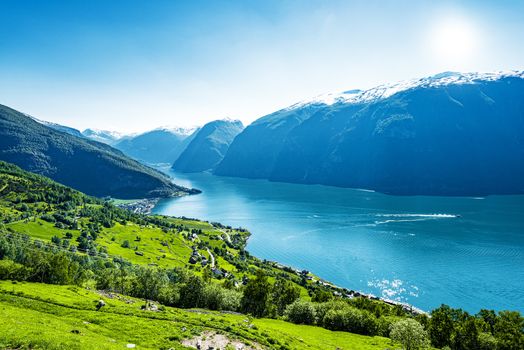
(465, 252)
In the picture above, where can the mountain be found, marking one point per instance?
(89, 166)
(157, 146)
(209, 146)
(449, 134)
(62, 128)
(104, 136)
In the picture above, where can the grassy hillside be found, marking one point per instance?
(89, 166)
(37, 315)
(42, 217)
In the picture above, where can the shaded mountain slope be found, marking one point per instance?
(451, 134)
(209, 146)
(89, 166)
(157, 146)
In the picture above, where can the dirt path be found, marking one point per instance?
(227, 236)
(212, 257)
(217, 341)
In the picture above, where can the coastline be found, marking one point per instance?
(147, 205)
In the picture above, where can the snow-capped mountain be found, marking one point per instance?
(59, 127)
(161, 145)
(448, 134)
(387, 90)
(177, 130)
(104, 136)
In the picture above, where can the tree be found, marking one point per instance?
(256, 293)
(56, 240)
(489, 317)
(151, 282)
(487, 341)
(509, 330)
(335, 320)
(441, 326)
(466, 335)
(192, 293)
(301, 312)
(410, 334)
(284, 293)
(321, 296)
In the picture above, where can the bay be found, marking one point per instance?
(462, 251)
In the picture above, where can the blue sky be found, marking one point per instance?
(136, 65)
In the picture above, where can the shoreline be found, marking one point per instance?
(337, 290)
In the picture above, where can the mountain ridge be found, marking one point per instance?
(160, 145)
(450, 134)
(92, 167)
(208, 146)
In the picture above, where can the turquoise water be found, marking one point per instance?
(465, 252)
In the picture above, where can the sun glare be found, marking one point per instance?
(454, 40)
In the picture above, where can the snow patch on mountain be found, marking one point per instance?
(386, 90)
(183, 131)
(103, 133)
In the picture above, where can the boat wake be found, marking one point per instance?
(391, 218)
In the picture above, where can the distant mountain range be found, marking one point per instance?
(209, 146)
(104, 136)
(89, 166)
(449, 134)
(156, 146)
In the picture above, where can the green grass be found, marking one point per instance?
(39, 229)
(44, 316)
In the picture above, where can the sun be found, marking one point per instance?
(454, 40)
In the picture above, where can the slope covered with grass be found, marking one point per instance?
(37, 315)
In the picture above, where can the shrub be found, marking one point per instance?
(335, 320)
(9, 270)
(301, 312)
(410, 334)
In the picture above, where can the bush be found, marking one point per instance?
(322, 308)
(9, 270)
(125, 244)
(335, 320)
(350, 319)
(217, 298)
(301, 312)
(410, 334)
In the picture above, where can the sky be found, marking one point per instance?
(132, 66)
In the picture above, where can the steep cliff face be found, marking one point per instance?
(209, 146)
(451, 134)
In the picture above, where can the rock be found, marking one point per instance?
(100, 304)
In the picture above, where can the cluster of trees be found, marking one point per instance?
(339, 315)
(487, 330)
(447, 328)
